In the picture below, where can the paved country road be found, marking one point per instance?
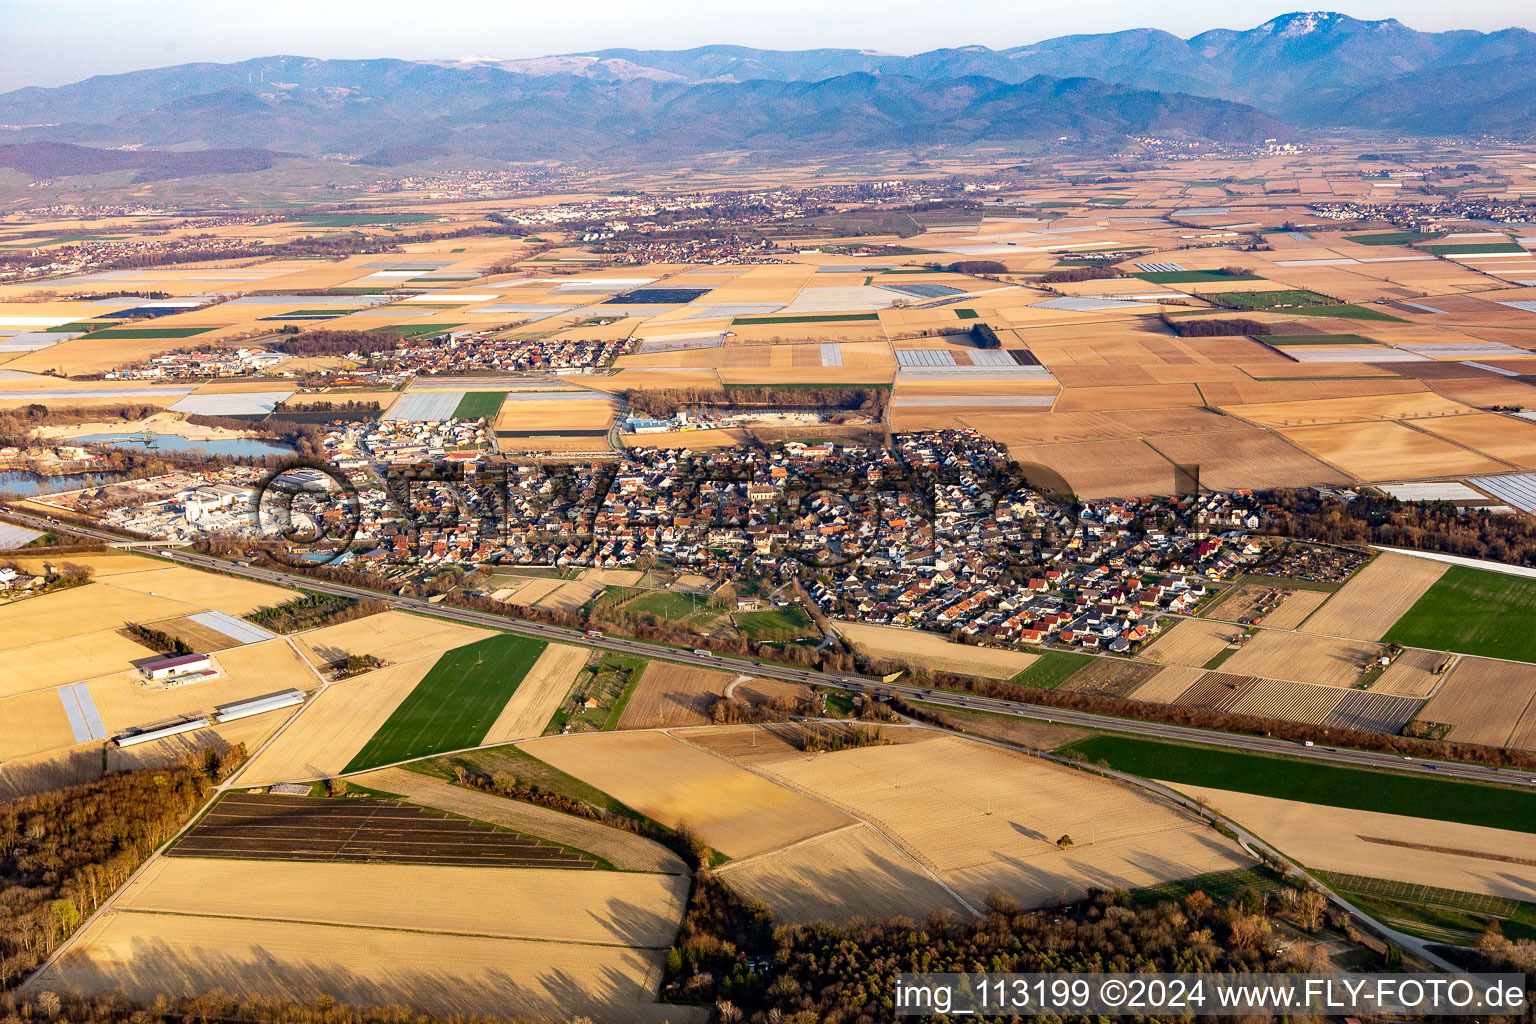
(846, 681)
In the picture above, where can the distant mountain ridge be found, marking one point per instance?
(1301, 70)
(368, 109)
(1298, 66)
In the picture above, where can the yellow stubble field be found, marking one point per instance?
(71, 660)
(735, 811)
(148, 955)
(1484, 701)
(551, 904)
(91, 608)
(1376, 597)
(853, 872)
(1304, 658)
(1387, 450)
(205, 589)
(983, 818)
(392, 636)
(538, 695)
(330, 731)
(930, 650)
(670, 694)
(1384, 845)
(1193, 642)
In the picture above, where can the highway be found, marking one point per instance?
(851, 682)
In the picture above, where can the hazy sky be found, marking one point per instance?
(51, 42)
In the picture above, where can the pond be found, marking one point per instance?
(22, 482)
(177, 443)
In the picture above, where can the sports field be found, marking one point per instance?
(455, 704)
(1473, 612)
(1328, 785)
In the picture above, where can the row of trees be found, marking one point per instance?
(666, 401)
(1072, 275)
(983, 336)
(313, 611)
(158, 640)
(682, 840)
(1216, 327)
(63, 853)
(807, 974)
(1423, 526)
(339, 343)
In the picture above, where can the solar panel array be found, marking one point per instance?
(928, 402)
(1518, 489)
(16, 536)
(1086, 305)
(80, 708)
(248, 403)
(993, 357)
(925, 291)
(925, 357)
(238, 630)
(678, 343)
(1451, 350)
(425, 406)
(1491, 369)
(1319, 354)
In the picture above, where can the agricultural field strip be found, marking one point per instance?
(266, 827)
(436, 899)
(880, 828)
(624, 850)
(238, 630)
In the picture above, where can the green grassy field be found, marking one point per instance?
(1220, 886)
(412, 330)
(1443, 915)
(667, 605)
(454, 704)
(479, 405)
(1053, 669)
(1472, 611)
(1221, 656)
(526, 768)
(1287, 340)
(150, 332)
(1471, 247)
(1315, 783)
(1193, 276)
(790, 623)
(809, 318)
(966, 314)
(1349, 311)
(1285, 299)
(1392, 237)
